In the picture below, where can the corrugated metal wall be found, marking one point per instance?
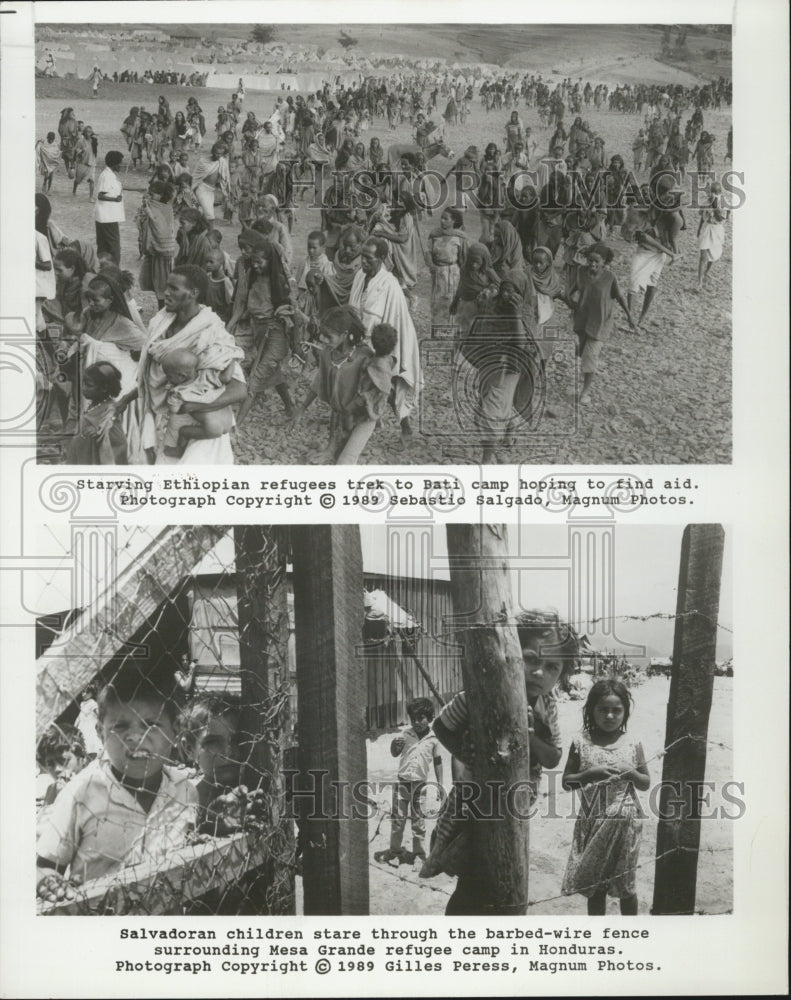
(393, 679)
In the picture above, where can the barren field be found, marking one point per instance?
(663, 396)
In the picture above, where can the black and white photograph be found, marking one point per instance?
(334, 720)
(384, 244)
(473, 679)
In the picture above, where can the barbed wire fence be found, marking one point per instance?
(214, 600)
(705, 852)
(217, 597)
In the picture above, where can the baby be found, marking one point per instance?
(190, 383)
(375, 385)
(317, 266)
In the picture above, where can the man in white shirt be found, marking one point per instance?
(109, 209)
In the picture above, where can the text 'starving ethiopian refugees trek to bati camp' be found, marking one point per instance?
(286, 244)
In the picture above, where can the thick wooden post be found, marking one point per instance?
(688, 708)
(331, 686)
(495, 686)
(263, 641)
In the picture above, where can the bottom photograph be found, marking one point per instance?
(412, 718)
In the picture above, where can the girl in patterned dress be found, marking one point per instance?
(609, 765)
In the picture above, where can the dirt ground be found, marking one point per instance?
(661, 397)
(401, 891)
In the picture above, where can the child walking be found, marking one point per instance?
(592, 295)
(356, 402)
(48, 159)
(610, 765)
(416, 748)
(157, 239)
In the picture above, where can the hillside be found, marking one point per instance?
(612, 53)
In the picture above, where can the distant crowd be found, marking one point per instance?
(346, 307)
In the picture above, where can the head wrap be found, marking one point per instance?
(118, 302)
(509, 255)
(473, 282)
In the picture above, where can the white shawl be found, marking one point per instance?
(200, 336)
(383, 301)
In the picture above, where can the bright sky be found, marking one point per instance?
(646, 562)
(643, 580)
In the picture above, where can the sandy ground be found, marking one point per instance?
(401, 891)
(661, 397)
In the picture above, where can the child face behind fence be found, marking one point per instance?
(542, 672)
(217, 750)
(138, 736)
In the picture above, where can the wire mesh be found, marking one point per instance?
(195, 634)
(183, 668)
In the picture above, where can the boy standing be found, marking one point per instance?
(416, 748)
(109, 210)
(129, 806)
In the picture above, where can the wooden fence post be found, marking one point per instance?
(688, 708)
(331, 693)
(495, 686)
(263, 640)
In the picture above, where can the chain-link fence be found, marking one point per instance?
(182, 667)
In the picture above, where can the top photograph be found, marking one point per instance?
(384, 244)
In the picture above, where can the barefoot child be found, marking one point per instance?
(47, 158)
(711, 233)
(219, 295)
(417, 748)
(246, 206)
(646, 268)
(100, 438)
(610, 765)
(263, 303)
(316, 268)
(592, 295)
(337, 379)
(128, 807)
(191, 384)
(157, 239)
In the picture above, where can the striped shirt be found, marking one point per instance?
(455, 717)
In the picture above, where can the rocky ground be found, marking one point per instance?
(663, 396)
